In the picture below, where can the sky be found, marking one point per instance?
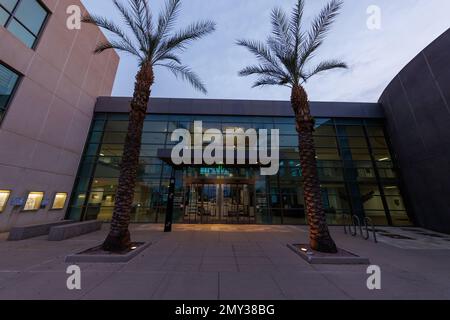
(374, 56)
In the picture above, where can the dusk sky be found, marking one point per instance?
(374, 56)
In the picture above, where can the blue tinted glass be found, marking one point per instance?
(20, 32)
(31, 14)
(8, 80)
(8, 4)
(3, 17)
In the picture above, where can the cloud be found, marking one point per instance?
(375, 57)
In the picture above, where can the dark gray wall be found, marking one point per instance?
(242, 107)
(417, 109)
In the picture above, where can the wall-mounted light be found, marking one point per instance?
(34, 201)
(60, 201)
(4, 196)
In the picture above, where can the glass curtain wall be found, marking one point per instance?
(356, 171)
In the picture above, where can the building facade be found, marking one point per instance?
(49, 82)
(355, 163)
(417, 110)
(61, 145)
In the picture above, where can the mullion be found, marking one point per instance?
(8, 13)
(1, 6)
(11, 14)
(24, 26)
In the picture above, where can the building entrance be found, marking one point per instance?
(220, 203)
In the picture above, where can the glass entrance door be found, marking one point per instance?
(219, 203)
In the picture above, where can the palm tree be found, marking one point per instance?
(154, 44)
(283, 61)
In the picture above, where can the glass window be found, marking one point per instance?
(382, 155)
(98, 125)
(325, 131)
(8, 4)
(357, 142)
(351, 131)
(322, 142)
(31, 14)
(327, 154)
(375, 131)
(8, 81)
(155, 126)
(34, 201)
(154, 138)
(60, 201)
(286, 128)
(4, 196)
(3, 16)
(114, 137)
(27, 19)
(22, 33)
(116, 126)
(378, 143)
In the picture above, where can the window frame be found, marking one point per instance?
(41, 30)
(2, 209)
(26, 199)
(14, 90)
(54, 198)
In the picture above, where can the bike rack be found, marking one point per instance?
(368, 221)
(355, 223)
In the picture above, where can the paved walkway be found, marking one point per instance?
(226, 262)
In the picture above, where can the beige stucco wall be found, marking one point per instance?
(45, 128)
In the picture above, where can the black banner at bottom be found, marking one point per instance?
(162, 310)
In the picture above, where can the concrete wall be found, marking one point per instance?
(417, 109)
(45, 128)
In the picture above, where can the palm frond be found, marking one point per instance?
(118, 45)
(142, 14)
(280, 29)
(287, 50)
(296, 19)
(186, 74)
(171, 57)
(261, 70)
(114, 29)
(194, 31)
(261, 51)
(325, 66)
(167, 18)
(182, 38)
(296, 27)
(320, 27)
(268, 81)
(133, 20)
(147, 18)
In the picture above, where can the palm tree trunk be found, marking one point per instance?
(320, 238)
(119, 236)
